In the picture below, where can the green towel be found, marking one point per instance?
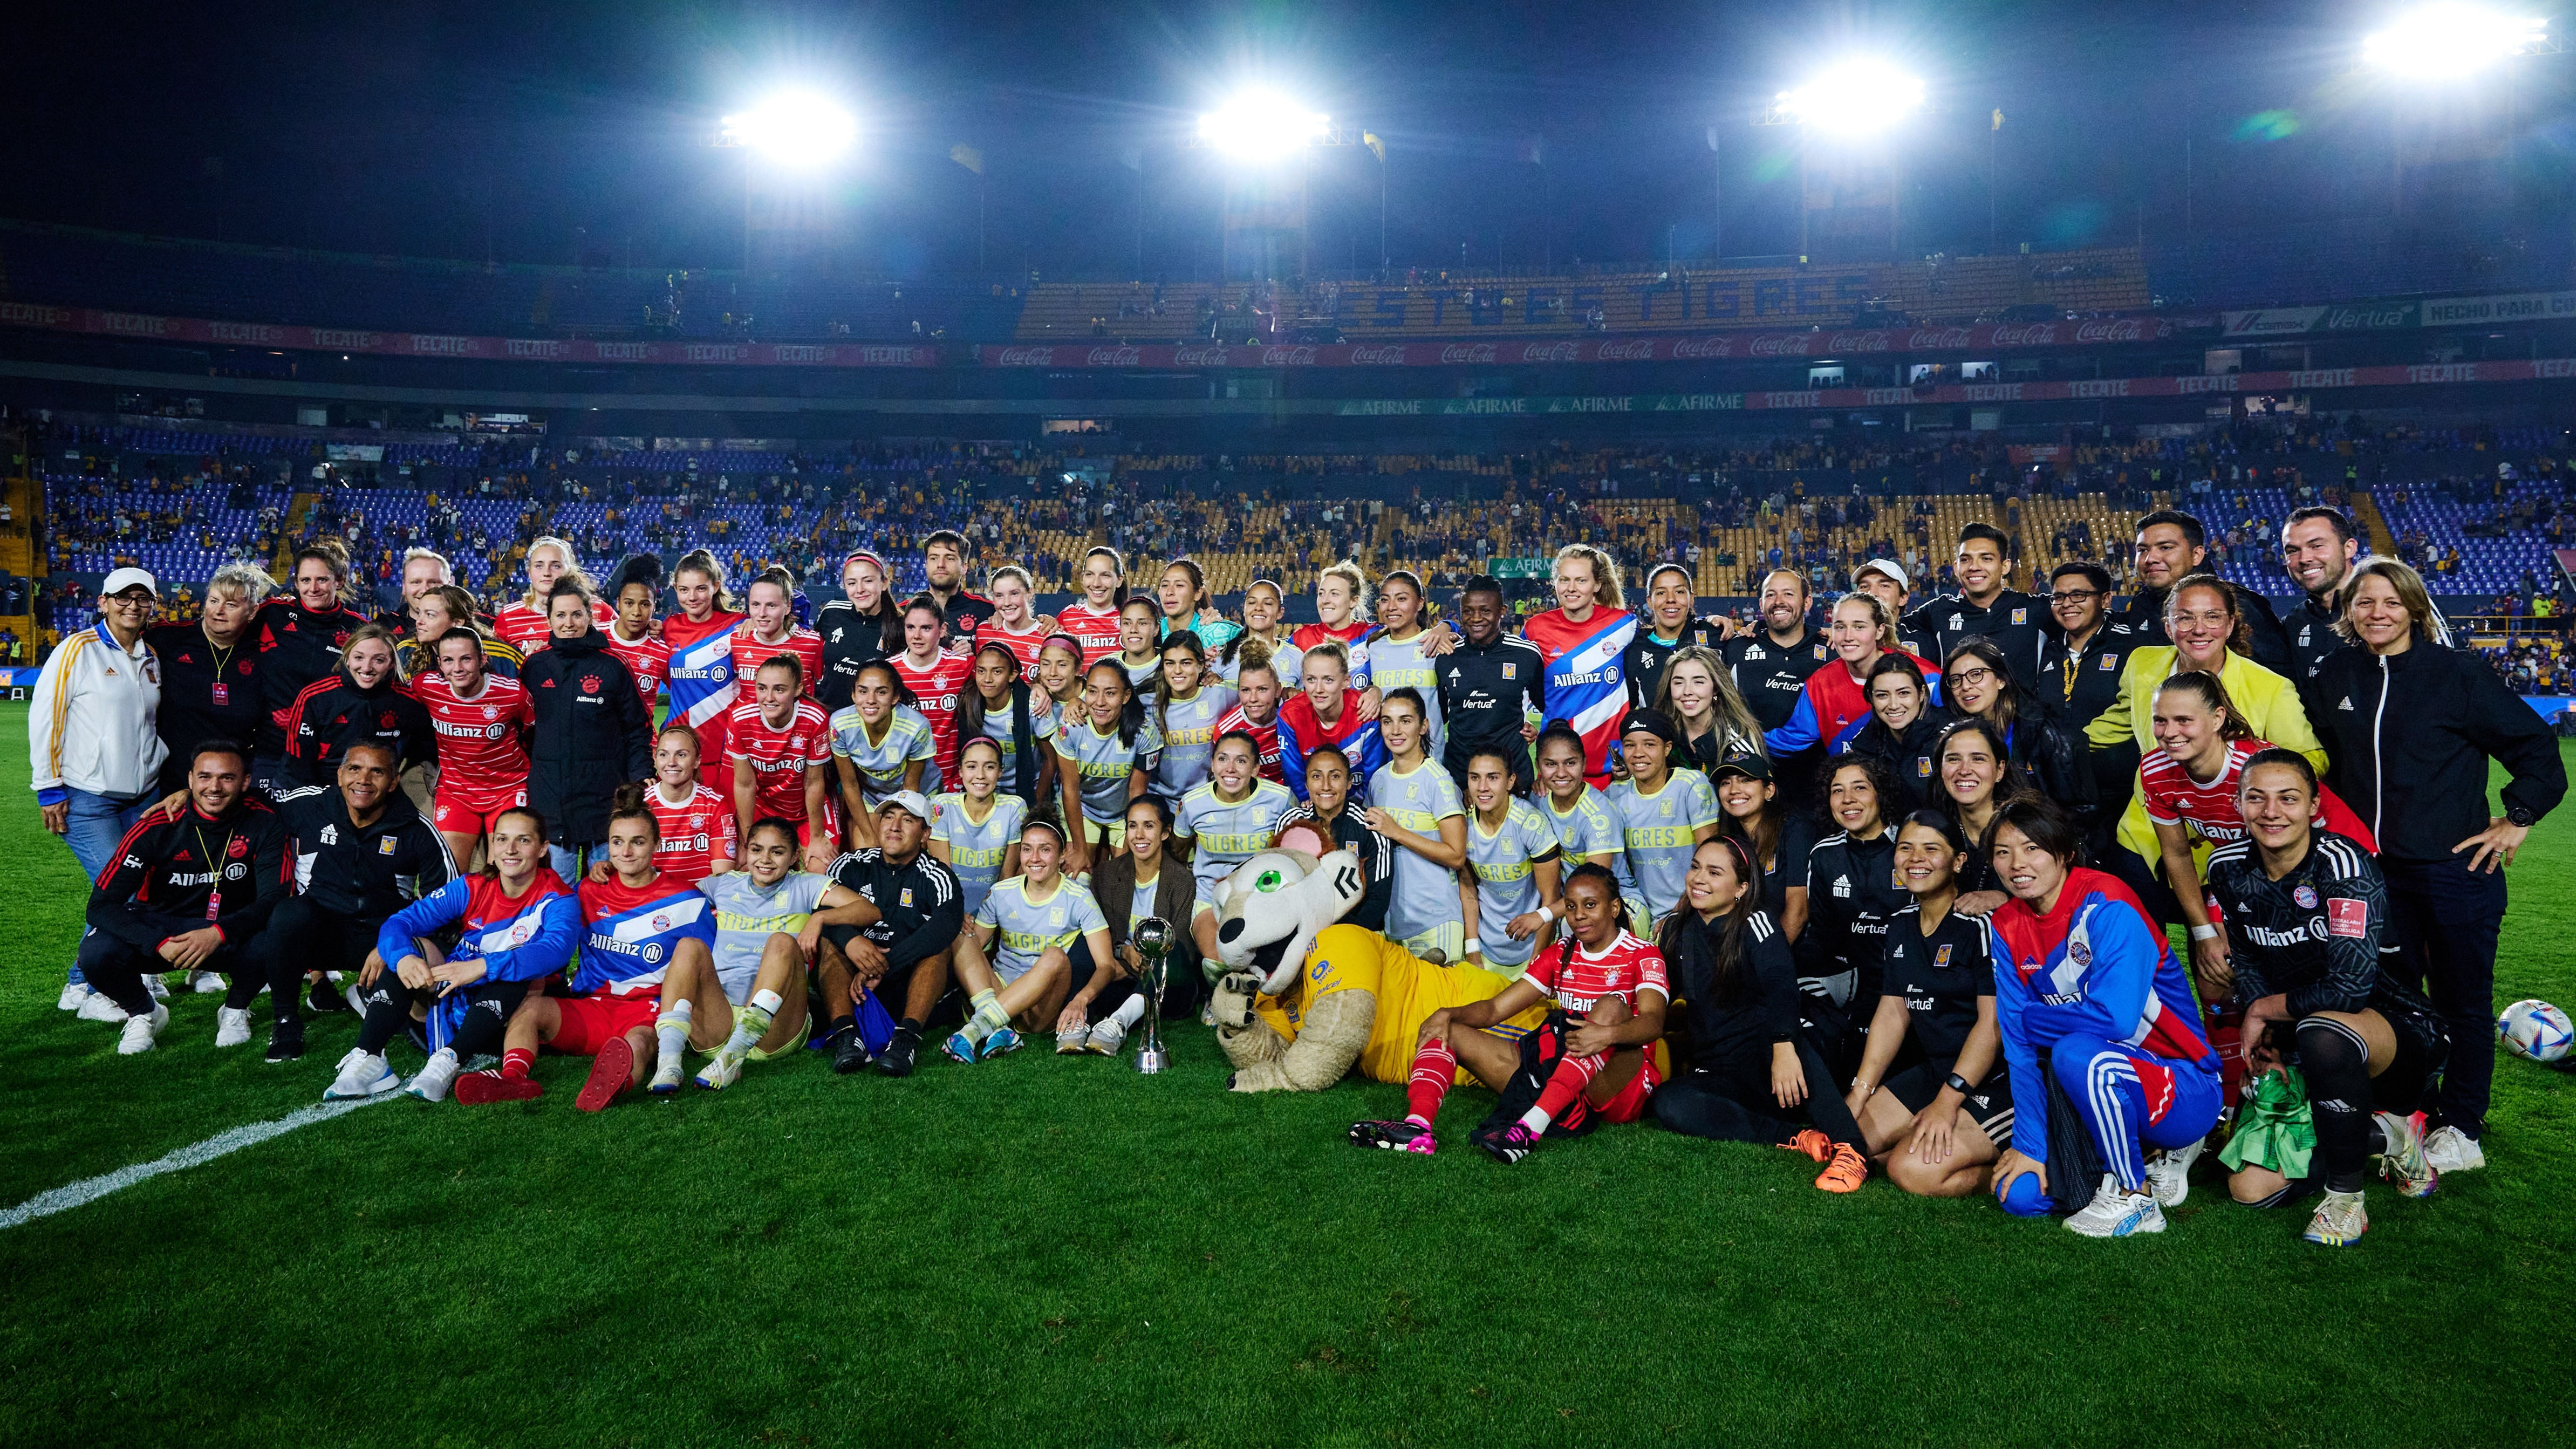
(2274, 1130)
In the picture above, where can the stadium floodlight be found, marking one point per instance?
(2453, 40)
(1856, 97)
(799, 130)
(1262, 126)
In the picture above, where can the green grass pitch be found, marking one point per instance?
(1045, 1251)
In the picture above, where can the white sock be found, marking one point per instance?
(672, 1028)
(751, 1023)
(1129, 1012)
(1535, 1120)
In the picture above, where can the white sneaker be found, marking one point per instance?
(99, 1006)
(159, 988)
(722, 1070)
(2339, 1221)
(362, 1074)
(434, 1079)
(2403, 1163)
(2449, 1149)
(1107, 1037)
(141, 1031)
(232, 1027)
(1073, 1043)
(2118, 1213)
(666, 1074)
(2169, 1172)
(208, 983)
(74, 993)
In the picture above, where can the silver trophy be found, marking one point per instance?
(1153, 941)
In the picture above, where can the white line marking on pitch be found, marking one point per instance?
(90, 1189)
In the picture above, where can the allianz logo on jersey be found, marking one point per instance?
(2296, 936)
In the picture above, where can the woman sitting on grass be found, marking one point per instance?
(1589, 1062)
(1940, 991)
(1750, 1075)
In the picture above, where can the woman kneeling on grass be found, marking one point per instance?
(2306, 910)
(1038, 940)
(1589, 1062)
(641, 926)
(1940, 985)
(1750, 1074)
(2082, 975)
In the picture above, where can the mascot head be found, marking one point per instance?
(1274, 903)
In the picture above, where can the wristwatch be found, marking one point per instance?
(1958, 1084)
(2520, 815)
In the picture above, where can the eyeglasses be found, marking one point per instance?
(2074, 596)
(1978, 675)
(129, 601)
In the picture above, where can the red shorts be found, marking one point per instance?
(1630, 1104)
(460, 814)
(591, 1022)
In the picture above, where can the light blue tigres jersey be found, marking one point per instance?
(881, 763)
(1587, 830)
(1286, 660)
(1659, 833)
(975, 851)
(1023, 929)
(1394, 666)
(1104, 764)
(1426, 895)
(1229, 832)
(747, 916)
(1188, 728)
(1506, 884)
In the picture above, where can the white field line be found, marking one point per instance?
(90, 1189)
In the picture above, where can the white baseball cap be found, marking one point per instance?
(122, 579)
(906, 800)
(1889, 567)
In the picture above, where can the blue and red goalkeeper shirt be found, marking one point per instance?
(1301, 734)
(632, 931)
(2093, 967)
(517, 939)
(1587, 680)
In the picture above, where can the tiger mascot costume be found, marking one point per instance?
(1303, 997)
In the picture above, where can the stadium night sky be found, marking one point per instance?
(554, 128)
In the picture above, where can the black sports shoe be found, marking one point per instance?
(286, 1041)
(326, 998)
(896, 1059)
(851, 1055)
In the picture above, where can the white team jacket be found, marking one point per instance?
(91, 725)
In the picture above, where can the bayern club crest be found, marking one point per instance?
(661, 922)
(590, 684)
(2306, 896)
(491, 713)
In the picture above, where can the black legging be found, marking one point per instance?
(487, 1008)
(1735, 1104)
(115, 968)
(302, 937)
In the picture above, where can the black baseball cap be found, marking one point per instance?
(1751, 766)
(1653, 722)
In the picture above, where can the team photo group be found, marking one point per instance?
(1984, 893)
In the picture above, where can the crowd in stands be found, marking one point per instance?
(2473, 509)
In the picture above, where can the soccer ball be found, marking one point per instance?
(2535, 1029)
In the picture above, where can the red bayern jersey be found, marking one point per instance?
(935, 692)
(482, 741)
(1023, 647)
(750, 652)
(1268, 735)
(525, 629)
(648, 659)
(1577, 978)
(696, 832)
(778, 756)
(2173, 797)
(1308, 636)
(1095, 629)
